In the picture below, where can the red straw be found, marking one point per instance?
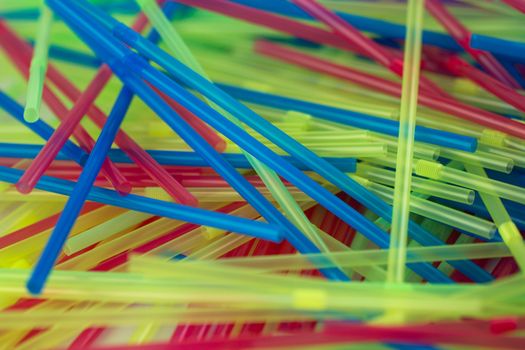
(355, 37)
(462, 36)
(458, 66)
(517, 4)
(460, 110)
(16, 49)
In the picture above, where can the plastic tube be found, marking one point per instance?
(269, 177)
(437, 171)
(40, 128)
(103, 231)
(405, 148)
(517, 4)
(151, 206)
(506, 228)
(37, 71)
(461, 34)
(514, 50)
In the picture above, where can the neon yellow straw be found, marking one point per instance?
(437, 171)
(405, 148)
(357, 258)
(100, 232)
(38, 68)
(506, 227)
(270, 178)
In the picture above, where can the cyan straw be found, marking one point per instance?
(124, 66)
(40, 128)
(165, 157)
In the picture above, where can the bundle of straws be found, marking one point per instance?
(255, 174)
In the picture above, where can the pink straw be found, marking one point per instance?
(517, 4)
(462, 35)
(16, 49)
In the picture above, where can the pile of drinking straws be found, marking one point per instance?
(273, 174)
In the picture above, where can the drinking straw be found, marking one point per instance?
(457, 109)
(40, 128)
(352, 35)
(370, 257)
(346, 117)
(247, 116)
(512, 50)
(517, 4)
(505, 93)
(103, 231)
(419, 185)
(167, 158)
(506, 228)
(405, 148)
(440, 213)
(462, 36)
(7, 40)
(270, 178)
(437, 171)
(37, 71)
(214, 158)
(151, 206)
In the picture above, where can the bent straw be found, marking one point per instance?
(405, 148)
(269, 177)
(189, 135)
(506, 227)
(15, 49)
(40, 128)
(254, 121)
(37, 71)
(462, 36)
(354, 36)
(437, 171)
(446, 105)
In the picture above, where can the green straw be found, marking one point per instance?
(506, 227)
(176, 44)
(37, 71)
(405, 148)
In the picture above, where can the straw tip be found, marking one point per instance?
(23, 187)
(34, 287)
(31, 115)
(428, 169)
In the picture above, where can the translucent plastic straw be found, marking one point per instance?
(371, 257)
(352, 35)
(37, 71)
(506, 228)
(253, 120)
(437, 171)
(462, 35)
(270, 178)
(405, 147)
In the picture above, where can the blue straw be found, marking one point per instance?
(367, 24)
(40, 128)
(180, 158)
(511, 50)
(121, 61)
(334, 204)
(351, 118)
(154, 207)
(275, 135)
(79, 195)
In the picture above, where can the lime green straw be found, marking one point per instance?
(37, 71)
(481, 184)
(405, 148)
(269, 177)
(506, 227)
